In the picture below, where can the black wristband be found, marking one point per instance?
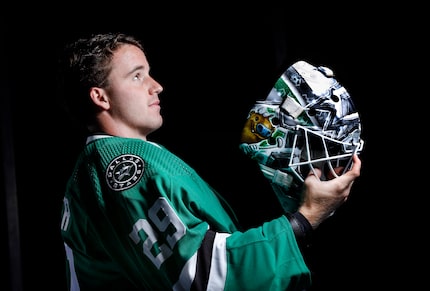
(302, 229)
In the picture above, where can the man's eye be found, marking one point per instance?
(137, 77)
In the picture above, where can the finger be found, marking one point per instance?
(315, 172)
(354, 169)
(356, 166)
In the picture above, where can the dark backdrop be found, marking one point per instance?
(214, 61)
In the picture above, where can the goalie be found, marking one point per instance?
(135, 216)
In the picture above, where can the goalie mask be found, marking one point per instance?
(307, 121)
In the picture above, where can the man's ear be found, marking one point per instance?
(98, 95)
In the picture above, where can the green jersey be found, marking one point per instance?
(137, 217)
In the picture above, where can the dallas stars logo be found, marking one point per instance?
(124, 172)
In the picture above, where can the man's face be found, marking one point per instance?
(133, 94)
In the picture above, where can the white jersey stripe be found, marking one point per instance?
(218, 272)
(74, 285)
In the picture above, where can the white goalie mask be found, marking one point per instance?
(307, 121)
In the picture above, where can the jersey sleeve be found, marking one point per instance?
(265, 258)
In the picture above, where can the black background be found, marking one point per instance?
(214, 61)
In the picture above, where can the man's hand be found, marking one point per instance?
(322, 198)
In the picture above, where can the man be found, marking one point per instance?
(137, 217)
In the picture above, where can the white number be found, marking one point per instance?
(66, 214)
(162, 216)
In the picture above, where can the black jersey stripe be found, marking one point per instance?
(204, 258)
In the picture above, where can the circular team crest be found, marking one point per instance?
(124, 172)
